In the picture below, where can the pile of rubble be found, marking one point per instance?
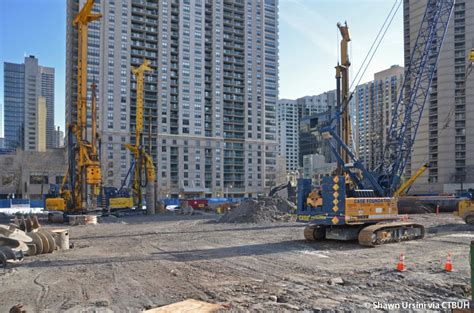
(264, 210)
(25, 237)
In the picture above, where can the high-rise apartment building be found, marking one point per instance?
(288, 133)
(58, 138)
(210, 101)
(295, 139)
(444, 137)
(310, 105)
(374, 103)
(311, 140)
(14, 94)
(25, 85)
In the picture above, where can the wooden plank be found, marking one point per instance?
(188, 305)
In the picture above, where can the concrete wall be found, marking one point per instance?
(21, 172)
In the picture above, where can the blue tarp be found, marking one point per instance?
(5, 203)
(20, 201)
(8, 203)
(210, 200)
(36, 203)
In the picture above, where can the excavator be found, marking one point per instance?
(82, 183)
(361, 204)
(290, 189)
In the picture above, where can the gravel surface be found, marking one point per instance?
(154, 261)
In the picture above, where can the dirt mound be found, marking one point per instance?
(264, 210)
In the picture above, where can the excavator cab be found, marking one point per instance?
(54, 200)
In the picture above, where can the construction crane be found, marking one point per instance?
(361, 204)
(81, 185)
(143, 168)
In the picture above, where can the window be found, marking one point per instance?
(59, 179)
(39, 179)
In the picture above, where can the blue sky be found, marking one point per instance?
(36, 27)
(308, 41)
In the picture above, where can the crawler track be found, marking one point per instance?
(374, 235)
(384, 233)
(314, 232)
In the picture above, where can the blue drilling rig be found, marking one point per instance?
(359, 203)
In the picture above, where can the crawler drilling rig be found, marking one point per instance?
(142, 171)
(362, 204)
(81, 185)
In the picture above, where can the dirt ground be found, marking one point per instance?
(143, 262)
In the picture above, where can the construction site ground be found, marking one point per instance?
(136, 263)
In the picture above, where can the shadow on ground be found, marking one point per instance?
(449, 228)
(207, 254)
(256, 228)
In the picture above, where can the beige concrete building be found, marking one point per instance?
(41, 112)
(27, 174)
(446, 136)
(374, 102)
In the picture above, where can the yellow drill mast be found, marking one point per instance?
(143, 161)
(342, 73)
(84, 166)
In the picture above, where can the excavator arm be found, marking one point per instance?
(410, 181)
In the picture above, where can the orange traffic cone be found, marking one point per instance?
(448, 266)
(401, 263)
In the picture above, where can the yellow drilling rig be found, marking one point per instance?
(143, 168)
(142, 171)
(81, 185)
